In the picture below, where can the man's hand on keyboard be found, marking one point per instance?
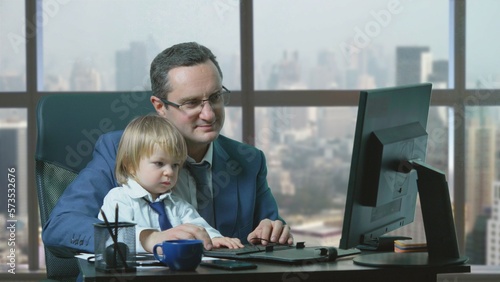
(230, 243)
(272, 232)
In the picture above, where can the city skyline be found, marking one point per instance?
(97, 41)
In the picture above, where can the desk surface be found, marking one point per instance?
(341, 270)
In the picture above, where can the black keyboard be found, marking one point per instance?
(284, 253)
(247, 249)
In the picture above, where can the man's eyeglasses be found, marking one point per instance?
(194, 106)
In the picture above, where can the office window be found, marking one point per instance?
(232, 124)
(107, 45)
(350, 44)
(14, 191)
(308, 151)
(110, 44)
(12, 46)
(482, 44)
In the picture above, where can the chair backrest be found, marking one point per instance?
(68, 125)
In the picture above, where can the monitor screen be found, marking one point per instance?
(390, 143)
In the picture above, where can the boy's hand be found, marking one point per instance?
(151, 237)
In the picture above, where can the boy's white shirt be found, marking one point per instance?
(133, 208)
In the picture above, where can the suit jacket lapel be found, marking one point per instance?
(225, 186)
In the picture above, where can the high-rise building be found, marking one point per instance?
(13, 150)
(475, 247)
(132, 67)
(324, 75)
(480, 164)
(480, 168)
(13, 164)
(493, 229)
(285, 75)
(439, 75)
(413, 64)
(366, 69)
(84, 77)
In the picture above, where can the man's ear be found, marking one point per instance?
(158, 105)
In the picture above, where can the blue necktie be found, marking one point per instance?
(159, 207)
(203, 195)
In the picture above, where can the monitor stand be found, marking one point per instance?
(439, 225)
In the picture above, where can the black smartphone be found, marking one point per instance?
(149, 263)
(228, 264)
(146, 259)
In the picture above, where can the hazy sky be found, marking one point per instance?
(93, 30)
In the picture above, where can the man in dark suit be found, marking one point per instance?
(187, 90)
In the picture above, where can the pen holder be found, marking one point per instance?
(111, 256)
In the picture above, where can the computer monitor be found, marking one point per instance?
(388, 170)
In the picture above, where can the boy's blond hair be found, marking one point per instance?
(138, 141)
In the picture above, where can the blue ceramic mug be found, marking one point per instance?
(180, 254)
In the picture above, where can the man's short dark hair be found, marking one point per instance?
(179, 55)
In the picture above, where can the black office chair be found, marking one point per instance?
(68, 126)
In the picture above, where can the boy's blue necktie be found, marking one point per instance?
(159, 207)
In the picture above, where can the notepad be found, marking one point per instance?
(406, 246)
